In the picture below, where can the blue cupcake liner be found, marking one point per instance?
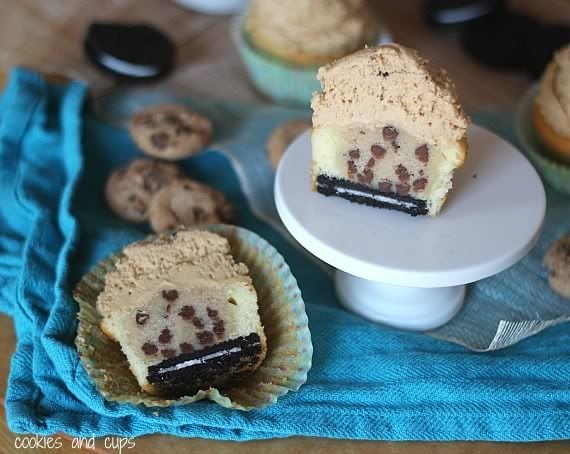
(556, 174)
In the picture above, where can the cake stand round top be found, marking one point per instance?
(492, 218)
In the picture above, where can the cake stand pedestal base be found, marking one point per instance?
(403, 307)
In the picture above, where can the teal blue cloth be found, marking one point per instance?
(367, 381)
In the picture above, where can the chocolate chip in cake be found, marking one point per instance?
(168, 353)
(212, 313)
(390, 133)
(186, 312)
(402, 173)
(170, 295)
(366, 176)
(198, 323)
(420, 184)
(149, 349)
(354, 154)
(165, 336)
(160, 140)
(371, 162)
(141, 318)
(378, 151)
(385, 186)
(205, 337)
(395, 146)
(184, 130)
(422, 153)
(219, 329)
(403, 188)
(186, 347)
(351, 168)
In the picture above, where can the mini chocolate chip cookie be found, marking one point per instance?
(170, 132)
(557, 261)
(282, 136)
(129, 189)
(187, 202)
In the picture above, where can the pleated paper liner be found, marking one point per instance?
(282, 312)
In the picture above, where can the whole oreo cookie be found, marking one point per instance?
(132, 51)
(170, 131)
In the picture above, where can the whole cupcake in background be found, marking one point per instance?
(284, 43)
(551, 111)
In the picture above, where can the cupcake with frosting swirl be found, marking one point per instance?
(284, 43)
(551, 110)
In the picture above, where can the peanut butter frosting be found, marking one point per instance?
(389, 84)
(553, 98)
(188, 255)
(319, 28)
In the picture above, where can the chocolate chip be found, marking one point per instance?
(366, 176)
(403, 188)
(149, 349)
(141, 318)
(168, 353)
(351, 168)
(205, 337)
(219, 329)
(165, 336)
(354, 154)
(186, 347)
(198, 323)
(371, 162)
(153, 181)
(186, 312)
(149, 123)
(184, 130)
(385, 186)
(390, 133)
(378, 151)
(420, 184)
(402, 173)
(171, 119)
(170, 295)
(187, 187)
(422, 153)
(140, 206)
(212, 313)
(160, 140)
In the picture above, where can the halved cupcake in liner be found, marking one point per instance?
(281, 309)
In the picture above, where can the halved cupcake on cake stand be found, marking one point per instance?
(410, 272)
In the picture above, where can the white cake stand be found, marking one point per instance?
(411, 272)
